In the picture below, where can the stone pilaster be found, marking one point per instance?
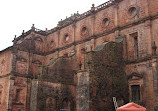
(33, 97)
(11, 92)
(82, 103)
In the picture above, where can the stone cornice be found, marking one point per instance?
(142, 59)
(68, 21)
(6, 75)
(128, 25)
(8, 48)
(65, 83)
(139, 21)
(16, 74)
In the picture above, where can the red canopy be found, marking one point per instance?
(131, 107)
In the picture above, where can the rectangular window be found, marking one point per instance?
(135, 93)
(17, 95)
(136, 47)
(0, 96)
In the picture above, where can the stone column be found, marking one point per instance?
(155, 83)
(58, 40)
(11, 92)
(149, 87)
(149, 39)
(93, 24)
(82, 103)
(74, 30)
(33, 97)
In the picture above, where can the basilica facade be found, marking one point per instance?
(86, 60)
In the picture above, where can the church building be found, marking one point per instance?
(86, 60)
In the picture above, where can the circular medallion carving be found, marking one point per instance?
(132, 11)
(52, 43)
(84, 31)
(105, 22)
(66, 37)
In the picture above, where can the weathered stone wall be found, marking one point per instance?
(31, 41)
(108, 22)
(83, 93)
(4, 90)
(149, 80)
(60, 71)
(144, 41)
(153, 8)
(106, 67)
(55, 96)
(34, 92)
(154, 32)
(19, 100)
(5, 62)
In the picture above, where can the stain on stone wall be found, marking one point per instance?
(107, 76)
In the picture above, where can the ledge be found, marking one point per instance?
(15, 103)
(142, 59)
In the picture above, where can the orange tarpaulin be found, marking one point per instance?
(131, 107)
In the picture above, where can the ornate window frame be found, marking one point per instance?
(135, 79)
(84, 31)
(132, 11)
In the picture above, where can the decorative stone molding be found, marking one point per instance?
(84, 31)
(132, 11)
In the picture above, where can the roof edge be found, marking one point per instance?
(6, 49)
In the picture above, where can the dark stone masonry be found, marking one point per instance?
(86, 60)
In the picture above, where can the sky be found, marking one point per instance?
(19, 15)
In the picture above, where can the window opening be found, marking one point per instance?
(52, 43)
(0, 96)
(132, 11)
(17, 95)
(135, 93)
(136, 46)
(106, 22)
(66, 37)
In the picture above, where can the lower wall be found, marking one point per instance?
(149, 81)
(47, 96)
(4, 93)
(82, 102)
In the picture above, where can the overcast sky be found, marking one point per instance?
(18, 15)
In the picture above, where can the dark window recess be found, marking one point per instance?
(136, 93)
(17, 95)
(132, 11)
(136, 46)
(0, 96)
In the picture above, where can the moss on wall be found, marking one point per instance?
(61, 71)
(107, 77)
